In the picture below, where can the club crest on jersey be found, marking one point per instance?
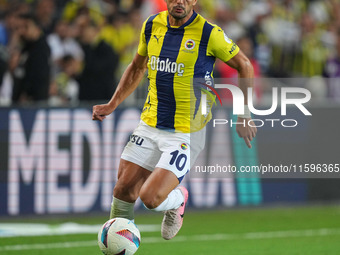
(190, 44)
(184, 146)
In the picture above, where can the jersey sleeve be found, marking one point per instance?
(220, 46)
(142, 46)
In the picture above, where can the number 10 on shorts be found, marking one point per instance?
(178, 159)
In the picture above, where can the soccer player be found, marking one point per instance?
(175, 46)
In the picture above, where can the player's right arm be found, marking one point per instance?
(128, 83)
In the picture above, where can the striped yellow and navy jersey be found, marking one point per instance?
(178, 56)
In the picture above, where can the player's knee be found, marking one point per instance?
(151, 201)
(124, 192)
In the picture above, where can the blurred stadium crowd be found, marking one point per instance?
(65, 52)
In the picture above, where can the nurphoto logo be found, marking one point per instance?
(301, 97)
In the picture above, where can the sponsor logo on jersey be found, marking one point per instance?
(208, 79)
(157, 38)
(190, 44)
(166, 66)
(233, 48)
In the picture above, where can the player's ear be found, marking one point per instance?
(194, 2)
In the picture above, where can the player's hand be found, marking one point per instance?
(99, 112)
(246, 132)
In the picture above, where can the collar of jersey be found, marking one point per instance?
(193, 16)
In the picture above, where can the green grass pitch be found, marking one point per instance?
(259, 231)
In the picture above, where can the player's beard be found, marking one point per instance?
(178, 16)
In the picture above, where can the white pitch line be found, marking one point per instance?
(249, 236)
(44, 246)
(194, 238)
(8, 230)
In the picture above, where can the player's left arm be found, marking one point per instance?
(222, 47)
(246, 76)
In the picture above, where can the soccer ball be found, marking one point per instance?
(119, 236)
